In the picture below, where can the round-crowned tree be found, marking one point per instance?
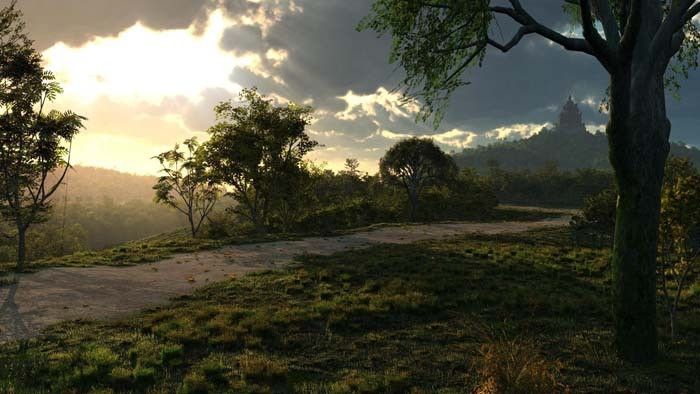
(415, 164)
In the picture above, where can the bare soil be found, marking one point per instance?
(40, 299)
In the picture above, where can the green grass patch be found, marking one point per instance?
(529, 312)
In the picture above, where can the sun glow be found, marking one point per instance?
(141, 64)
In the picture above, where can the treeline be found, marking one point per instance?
(547, 186)
(256, 158)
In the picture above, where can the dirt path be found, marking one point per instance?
(56, 294)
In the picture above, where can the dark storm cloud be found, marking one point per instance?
(328, 57)
(76, 21)
(243, 38)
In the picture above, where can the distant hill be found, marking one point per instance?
(95, 184)
(567, 144)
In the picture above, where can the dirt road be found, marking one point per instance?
(56, 294)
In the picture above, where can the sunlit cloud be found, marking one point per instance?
(518, 130)
(142, 89)
(454, 138)
(142, 64)
(367, 105)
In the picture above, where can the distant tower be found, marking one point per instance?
(570, 119)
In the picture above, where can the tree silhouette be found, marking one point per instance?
(415, 164)
(33, 144)
(255, 148)
(435, 41)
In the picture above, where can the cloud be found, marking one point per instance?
(367, 105)
(518, 130)
(142, 64)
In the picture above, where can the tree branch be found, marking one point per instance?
(519, 15)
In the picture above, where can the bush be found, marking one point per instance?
(355, 213)
(597, 219)
(514, 366)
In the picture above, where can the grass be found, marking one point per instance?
(521, 313)
(166, 245)
(143, 251)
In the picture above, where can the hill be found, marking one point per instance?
(95, 184)
(567, 144)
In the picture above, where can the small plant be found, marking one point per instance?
(260, 368)
(514, 366)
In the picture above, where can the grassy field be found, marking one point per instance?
(163, 246)
(521, 313)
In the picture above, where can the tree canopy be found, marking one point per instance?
(256, 149)
(416, 163)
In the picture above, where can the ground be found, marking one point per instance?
(517, 313)
(104, 291)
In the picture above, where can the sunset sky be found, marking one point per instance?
(147, 74)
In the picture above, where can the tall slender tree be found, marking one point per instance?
(435, 41)
(185, 184)
(33, 143)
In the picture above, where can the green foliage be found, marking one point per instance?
(256, 150)
(186, 184)
(393, 318)
(33, 144)
(434, 43)
(466, 196)
(415, 164)
(547, 186)
(679, 233)
(598, 216)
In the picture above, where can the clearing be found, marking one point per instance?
(51, 295)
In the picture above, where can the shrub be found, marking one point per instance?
(514, 366)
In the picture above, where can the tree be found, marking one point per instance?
(435, 41)
(254, 148)
(33, 144)
(679, 233)
(185, 184)
(415, 164)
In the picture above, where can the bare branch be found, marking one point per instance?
(523, 31)
(519, 15)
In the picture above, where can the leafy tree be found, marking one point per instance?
(33, 143)
(435, 41)
(254, 148)
(185, 184)
(415, 164)
(679, 233)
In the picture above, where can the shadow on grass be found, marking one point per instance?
(391, 318)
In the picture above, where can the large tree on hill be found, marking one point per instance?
(435, 41)
(254, 150)
(33, 144)
(416, 163)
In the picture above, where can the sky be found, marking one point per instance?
(147, 74)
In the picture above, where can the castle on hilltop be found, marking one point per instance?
(570, 121)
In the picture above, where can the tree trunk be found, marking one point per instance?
(413, 197)
(638, 134)
(21, 247)
(190, 218)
